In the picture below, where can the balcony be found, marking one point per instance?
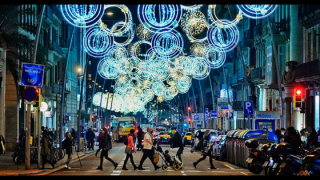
(309, 71)
(47, 17)
(57, 50)
(309, 15)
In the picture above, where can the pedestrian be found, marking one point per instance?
(303, 138)
(90, 139)
(2, 144)
(176, 144)
(68, 142)
(128, 151)
(293, 138)
(106, 146)
(147, 149)
(114, 133)
(206, 151)
(278, 134)
(99, 140)
(313, 138)
(73, 135)
(45, 151)
(139, 136)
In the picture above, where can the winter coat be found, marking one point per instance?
(177, 140)
(90, 136)
(45, 146)
(106, 141)
(68, 145)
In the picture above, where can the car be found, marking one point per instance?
(164, 137)
(219, 148)
(187, 138)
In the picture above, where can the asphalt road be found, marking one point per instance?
(91, 162)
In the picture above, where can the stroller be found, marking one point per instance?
(166, 161)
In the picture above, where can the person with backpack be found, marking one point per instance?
(206, 150)
(129, 146)
(67, 145)
(106, 145)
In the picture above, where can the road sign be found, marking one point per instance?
(222, 101)
(248, 108)
(214, 113)
(32, 75)
(30, 93)
(196, 117)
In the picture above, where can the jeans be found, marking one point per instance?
(205, 156)
(174, 153)
(126, 160)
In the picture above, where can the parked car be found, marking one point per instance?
(219, 148)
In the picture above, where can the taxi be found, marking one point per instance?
(164, 137)
(187, 138)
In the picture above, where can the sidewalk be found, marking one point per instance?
(9, 168)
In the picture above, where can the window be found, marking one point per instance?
(269, 65)
(282, 56)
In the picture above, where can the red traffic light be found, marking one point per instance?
(189, 108)
(37, 91)
(298, 92)
(189, 120)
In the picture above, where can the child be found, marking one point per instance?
(168, 157)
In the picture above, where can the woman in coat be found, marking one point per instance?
(206, 151)
(45, 151)
(128, 151)
(68, 146)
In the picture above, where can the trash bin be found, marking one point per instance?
(263, 137)
(228, 144)
(237, 147)
(241, 147)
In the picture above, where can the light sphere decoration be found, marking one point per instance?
(157, 16)
(82, 15)
(108, 68)
(129, 34)
(171, 42)
(215, 58)
(223, 24)
(198, 49)
(191, 7)
(124, 25)
(257, 11)
(195, 20)
(136, 49)
(97, 42)
(143, 33)
(225, 38)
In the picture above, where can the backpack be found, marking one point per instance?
(125, 141)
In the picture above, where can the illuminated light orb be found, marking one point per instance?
(97, 42)
(223, 24)
(171, 42)
(198, 49)
(226, 39)
(82, 15)
(143, 33)
(257, 11)
(184, 84)
(200, 69)
(191, 7)
(155, 17)
(108, 68)
(121, 28)
(136, 49)
(195, 20)
(215, 58)
(160, 99)
(129, 34)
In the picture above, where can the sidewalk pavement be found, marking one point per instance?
(9, 168)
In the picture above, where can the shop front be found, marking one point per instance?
(266, 120)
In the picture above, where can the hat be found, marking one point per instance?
(173, 128)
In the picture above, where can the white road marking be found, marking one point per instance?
(244, 173)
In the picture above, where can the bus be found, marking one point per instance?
(125, 124)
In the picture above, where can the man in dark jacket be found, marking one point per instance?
(139, 136)
(106, 146)
(90, 138)
(176, 144)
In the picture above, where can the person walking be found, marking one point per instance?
(114, 133)
(67, 143)
(206, 151)
(148, 150)
(128, 151)
(293, 138)
(139, 136)
(45, 151)
(99, 140)
(313, 138)
(176, 144)
(90, 139)
(303, 138)
(106, 145)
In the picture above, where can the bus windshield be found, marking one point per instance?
(126, 124)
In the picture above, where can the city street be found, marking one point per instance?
(90, 163)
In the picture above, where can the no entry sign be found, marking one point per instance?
(30, 93)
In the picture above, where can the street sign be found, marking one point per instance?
(44, 106)
(222, 101)
(32, 75)
(196, 117)
(214, 113)
(248, 108)
(30, 93)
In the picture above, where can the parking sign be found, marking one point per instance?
(248, 108)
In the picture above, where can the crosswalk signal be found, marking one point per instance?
(38, 100)
(297, 98)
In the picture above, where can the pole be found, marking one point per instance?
(39, 132)
(195, 103)
(105, 117)
(278, 75)
(225, 79)
(27, 152)
(204, 115)
(93, 90)
(63, 89)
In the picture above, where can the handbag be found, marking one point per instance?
(156, 158)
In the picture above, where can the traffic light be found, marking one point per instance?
(297, 98)
(189, 108)
(189, 120)
(38, 100)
